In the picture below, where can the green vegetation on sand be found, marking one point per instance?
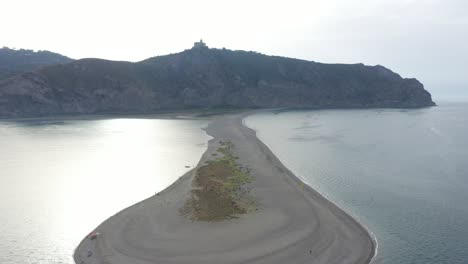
(220, 189)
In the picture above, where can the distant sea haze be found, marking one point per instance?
(402, 173)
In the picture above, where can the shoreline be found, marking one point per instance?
(295, 223)
(371, 235)
(356, 218)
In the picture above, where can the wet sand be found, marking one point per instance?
(293, 223)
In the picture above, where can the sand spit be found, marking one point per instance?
(293, 223)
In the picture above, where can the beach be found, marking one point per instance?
(292, 224)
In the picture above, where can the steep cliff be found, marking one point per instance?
(204, 78)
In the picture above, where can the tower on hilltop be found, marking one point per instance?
(200, 44)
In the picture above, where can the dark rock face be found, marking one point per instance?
(204, 78)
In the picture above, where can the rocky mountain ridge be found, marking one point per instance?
(13, 61)
(203, 78)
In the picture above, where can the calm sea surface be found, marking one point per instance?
(402, 173)
(59, 179)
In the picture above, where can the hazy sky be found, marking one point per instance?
(426, 39)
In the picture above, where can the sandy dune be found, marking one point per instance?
(293, 224)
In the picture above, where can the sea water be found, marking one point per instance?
(60, 178)
(402, 173)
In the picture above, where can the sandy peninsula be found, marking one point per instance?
(292, 222)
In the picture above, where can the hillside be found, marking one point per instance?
(204, 78)
(13, 62)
